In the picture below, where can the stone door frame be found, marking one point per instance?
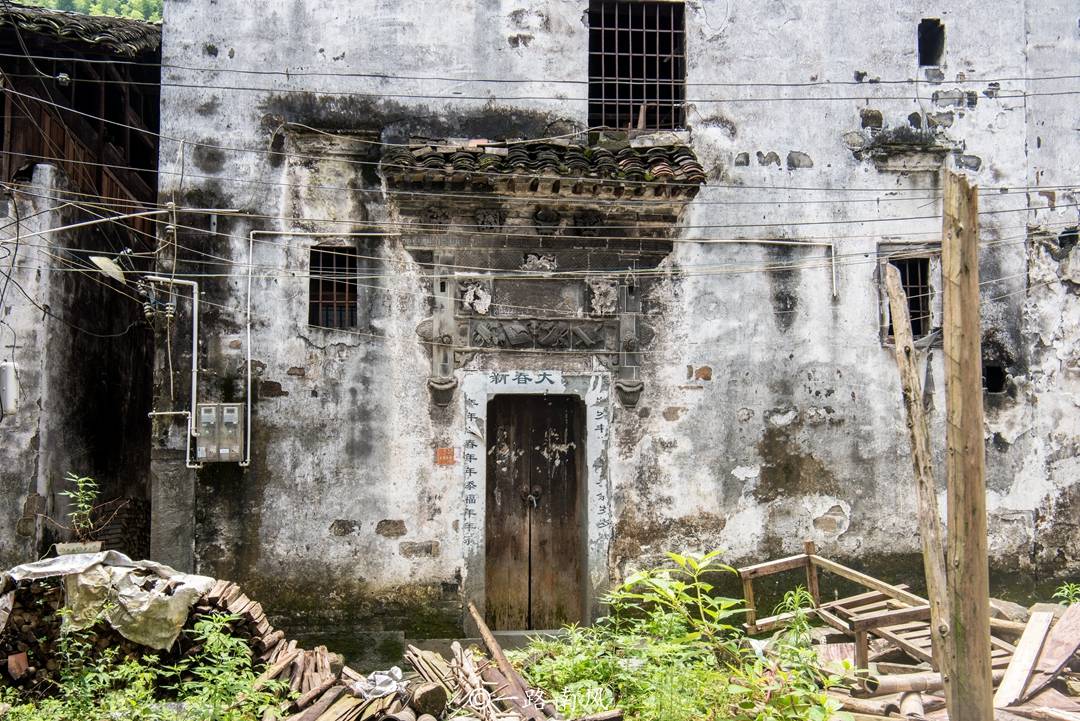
(477, 388)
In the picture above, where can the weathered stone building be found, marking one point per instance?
(80, 122)
(498, 357)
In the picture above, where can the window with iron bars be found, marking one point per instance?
(332, 299)
(637, 64)
(920, 277)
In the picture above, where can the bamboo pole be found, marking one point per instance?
(921, 456)
(970, 690)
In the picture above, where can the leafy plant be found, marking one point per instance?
(87, 517)
(684, 592)
(669, 650)
(1068, 593)
(216, 682)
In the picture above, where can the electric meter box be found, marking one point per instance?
(221, 433)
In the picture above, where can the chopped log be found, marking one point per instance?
(320, 706)
(911, 704)
(308, 698)
(883, 685)
(429, 698)
(339, 709)
(295, 675)
(1023, 659)
(231, 592)
(877, 707)
(270, 640)
(1060, 645)
(273, 671)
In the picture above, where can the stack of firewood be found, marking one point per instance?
(320, 686)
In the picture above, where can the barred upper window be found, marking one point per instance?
(332, 300)
(637, 64)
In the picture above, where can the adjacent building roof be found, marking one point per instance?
(117, 36)
(671, 166)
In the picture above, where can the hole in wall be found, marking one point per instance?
(931, 41)
(994, 377)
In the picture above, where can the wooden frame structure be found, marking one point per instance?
(887, 611)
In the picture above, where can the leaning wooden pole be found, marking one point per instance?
(933, 545)
(971, 690)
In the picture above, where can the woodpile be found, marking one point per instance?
(321, 686)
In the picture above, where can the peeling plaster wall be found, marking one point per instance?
(771, 410)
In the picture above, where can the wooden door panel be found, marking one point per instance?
(507, 522)
(555, 534)
(534, 537)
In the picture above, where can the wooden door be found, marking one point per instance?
(535, 537)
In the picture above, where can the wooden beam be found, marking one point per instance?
(968, 656)
(770, 567)
(751, 609)
(1060, 645)
(930, 534)
(869, 581)
(811, 573)
(1027, 652)
(893, 617)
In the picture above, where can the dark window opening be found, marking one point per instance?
(994, 377)
(637, 64)
(1067, 238)
(332, 301)
(915, 278)
(931, 41)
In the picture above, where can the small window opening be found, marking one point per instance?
(994, 377)
(1067, 238)
(915, 279)
(931, 41)
(637, 64)
(332, 301)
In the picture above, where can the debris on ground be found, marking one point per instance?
(138, 608)
(883, 633)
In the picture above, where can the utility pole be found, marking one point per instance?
(970, 691)
(933, 545)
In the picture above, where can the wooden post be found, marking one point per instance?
(970, 694)
(751, 611)
(930, 534)
(811, 572)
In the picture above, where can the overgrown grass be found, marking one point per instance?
(671, 649)
(214, 682)
(1068, 593)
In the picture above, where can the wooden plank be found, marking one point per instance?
(1062, 642)
(970, 694)
(770, 567)
(880, 619)
(930, 533)
(869, 581)
(909, 648)
(831, 619)
(811, 573)
(770, 622)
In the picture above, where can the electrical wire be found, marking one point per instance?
(261, 151)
